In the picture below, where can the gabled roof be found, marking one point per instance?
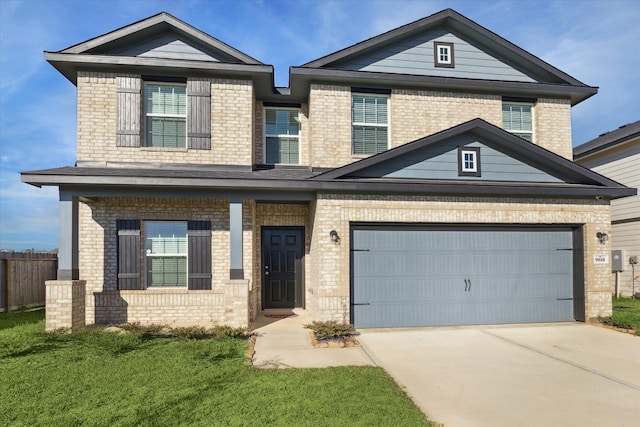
(607, 140)
(550, 80)
(116, 51)
(121, 179)
(148, 28)
(506, 142)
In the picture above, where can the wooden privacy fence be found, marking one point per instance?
(22, 277)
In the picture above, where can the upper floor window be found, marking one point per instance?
(282, 136)
(443, 54)
(165, 115)
(517, 118)
(370, 122)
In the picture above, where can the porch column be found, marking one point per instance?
(68, 237)
(235, 231)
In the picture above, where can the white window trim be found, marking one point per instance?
(533, 119)
(169, 116)
(167, 255)
(450, 61)
(378, 125)
(474, 159)
(266, 135)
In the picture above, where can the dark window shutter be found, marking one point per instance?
(128, 254)
(199, 114)
(199, 236)
(128, 113)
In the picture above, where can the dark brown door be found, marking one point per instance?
(282, 267)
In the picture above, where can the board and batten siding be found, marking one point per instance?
(128, 114)
(415, 56)
(199, 114)
(441, 162)
(169, 46)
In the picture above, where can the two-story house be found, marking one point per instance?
(420, 177)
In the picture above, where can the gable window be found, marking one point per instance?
(517, 118)
(282, 136)
(469, 161)
(165, 111)
(443, 54)
(166, 253)
(370, 124)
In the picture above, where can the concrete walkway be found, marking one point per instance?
(285, 343)
(568, 374)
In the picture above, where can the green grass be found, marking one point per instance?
(94, 378)
(626, 314)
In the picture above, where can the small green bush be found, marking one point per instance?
(185, 332)
(330, 329)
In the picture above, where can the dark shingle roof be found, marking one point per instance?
(607, 140)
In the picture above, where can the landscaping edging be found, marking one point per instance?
(339, 342)
(251, 350)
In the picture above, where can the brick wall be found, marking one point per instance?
(414, 114)
(98, 266)
(232, 108)
(328, 279)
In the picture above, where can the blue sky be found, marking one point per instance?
(595, 41)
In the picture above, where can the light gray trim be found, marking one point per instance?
(301, 78)
(68, 236)
(165, 20)
(235, 231)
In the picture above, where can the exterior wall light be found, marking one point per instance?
(334, 236)
(602, 237)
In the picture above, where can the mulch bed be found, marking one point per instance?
(339, 342)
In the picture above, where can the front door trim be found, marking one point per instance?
(299, 300)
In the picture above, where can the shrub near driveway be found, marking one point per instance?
(102, 378)
(626, 314)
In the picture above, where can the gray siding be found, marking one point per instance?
(415, 56)
(441, 162)
(429, 277)
(169, 46)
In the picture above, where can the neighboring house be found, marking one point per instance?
(420, 177)
(616, 154)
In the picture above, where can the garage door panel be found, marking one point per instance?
(405, 276)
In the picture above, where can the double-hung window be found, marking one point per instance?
(166, 253)
(282, 136)
(517, 118)
(165, 115)
(370, 124)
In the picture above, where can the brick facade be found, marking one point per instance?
(329, 279)
(232, 108)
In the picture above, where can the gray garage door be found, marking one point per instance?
(418, 276)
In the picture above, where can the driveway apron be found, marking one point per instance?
(568, 374)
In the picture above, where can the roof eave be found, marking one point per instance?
(301, 78)
(69, 65)
(343, 186)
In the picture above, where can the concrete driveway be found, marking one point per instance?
(568, 374)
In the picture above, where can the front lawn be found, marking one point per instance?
(626, 314)
(98, 378)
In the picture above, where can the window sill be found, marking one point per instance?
(170, 149)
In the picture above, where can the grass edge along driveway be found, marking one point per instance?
(102, 378)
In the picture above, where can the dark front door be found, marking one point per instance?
(282, 267)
